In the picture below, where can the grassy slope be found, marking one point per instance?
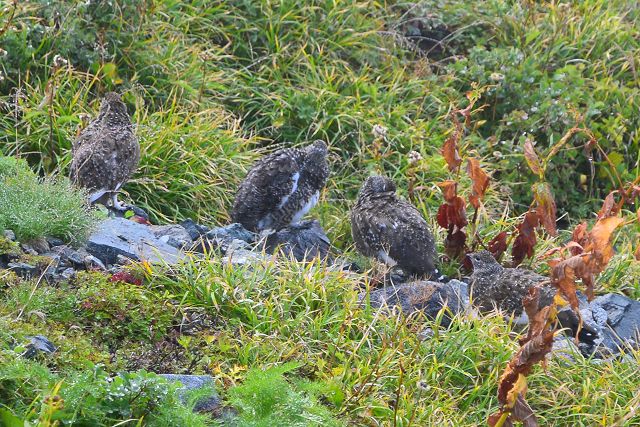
(212, 87)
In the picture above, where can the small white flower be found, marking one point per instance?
(497, 77)
(379, 131)
(414, 157)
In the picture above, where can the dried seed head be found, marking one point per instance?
(414, 157)
(59, 61)
(379, 131)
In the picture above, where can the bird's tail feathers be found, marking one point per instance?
(97, 195)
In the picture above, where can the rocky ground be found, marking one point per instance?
(610, 322)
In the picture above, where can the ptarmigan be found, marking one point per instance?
(392, 230)
(106, 153)
(494, 286)
(281, 188)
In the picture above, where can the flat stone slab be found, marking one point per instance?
(121, 237)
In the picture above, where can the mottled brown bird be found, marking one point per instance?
(281, 188)
(106, 153)
(494, 286)
(392, 230)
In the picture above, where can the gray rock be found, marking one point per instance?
(224, 239)
(54, 241)
(211, 403)
(118, 236)
(244, 257)
(610, 323)
(623, 318)
(67, 273)
(173, 234)
(428, 297)
(28, 249)
(589, 330)
(38, 344)
(23, 269)
(305, 241)
(39, 245)
(564, 349)
(194, 230)
(231, 232)
(9, 235)
(93, 263)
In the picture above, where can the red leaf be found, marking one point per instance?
(449, 190)
(454, 243)
(532, 158)
(526, 240)
(608, 206)
(126, 277)
(480, 181)
(601, 236)
(140, 220)
(545, 207)
(498, 245)
(450, 152)
(452, 214)
(563, 276)
(580, 237)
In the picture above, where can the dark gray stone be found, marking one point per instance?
(28, 249)
(39, 344)
(194, 230)
(54, 241)
(610, 323)
(589, 330)
(9, 234)
(428, 297)
(212, 403)
(623, 319)
(67, 273)
(231, 232)
(129, 239)
(224, 239)
(23, 269)
(305, 241)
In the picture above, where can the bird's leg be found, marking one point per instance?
(116, 203)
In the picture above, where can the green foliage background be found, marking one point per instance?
(208, 83)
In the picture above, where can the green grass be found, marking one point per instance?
(34, 207)
(213, 86)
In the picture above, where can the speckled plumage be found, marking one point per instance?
(392, 230)
(106, 153)
(504, 288)
(281, 188)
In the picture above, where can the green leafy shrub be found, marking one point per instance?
(89, 397)
(549, 68)
(36, 207)
(117, 311)
(266, 398)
